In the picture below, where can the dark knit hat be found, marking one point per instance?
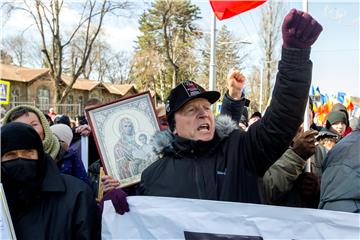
(183, 93)
(335, 116)
(17, 135)
(340, 107)
(64, 119)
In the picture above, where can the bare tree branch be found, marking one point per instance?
(46, 15)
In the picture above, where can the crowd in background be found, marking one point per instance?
(258, 159)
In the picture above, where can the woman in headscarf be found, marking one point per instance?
(63, 158)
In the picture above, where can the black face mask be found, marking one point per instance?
(19, 170)
(21, 183)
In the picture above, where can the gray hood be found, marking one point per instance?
(162, 139)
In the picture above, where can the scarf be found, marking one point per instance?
(50, 142)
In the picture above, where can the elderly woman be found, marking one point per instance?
(34, 117)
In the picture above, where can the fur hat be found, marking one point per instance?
(62, 132)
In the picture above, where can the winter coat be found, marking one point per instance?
(227, 167)
(66, 210)
(341, 175)
(236, 109)
(69, 163)
(279, 181)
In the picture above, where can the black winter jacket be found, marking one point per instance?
(226, 168)
(236, 109)
(65, 210)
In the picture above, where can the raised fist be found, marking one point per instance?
(299, 30)
(236, 83)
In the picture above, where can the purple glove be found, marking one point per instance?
(118, 199)
(299, 30)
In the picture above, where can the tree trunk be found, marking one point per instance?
(175, 75)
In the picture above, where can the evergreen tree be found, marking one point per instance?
(165, 48)
(229, 54)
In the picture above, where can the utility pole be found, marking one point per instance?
(307, 112)
(261, 88)
(212, 73)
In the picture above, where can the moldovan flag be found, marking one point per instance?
(348, 103)
(341, 97)
(224, 9)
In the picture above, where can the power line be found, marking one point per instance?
(246, 30)
(257, 30)
(238, 41)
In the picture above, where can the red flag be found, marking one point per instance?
(327, 107)
(350, 105)
(224, 9)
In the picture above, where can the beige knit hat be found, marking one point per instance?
(51, 143)
(62, 132)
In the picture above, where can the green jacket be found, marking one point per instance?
(279, 180)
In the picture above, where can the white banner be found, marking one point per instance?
(170, 218)
(6, 226)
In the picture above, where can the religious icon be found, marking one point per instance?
(122, 131)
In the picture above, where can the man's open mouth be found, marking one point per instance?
(204, 127)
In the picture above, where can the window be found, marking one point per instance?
(81, 103)
(15, 97)
(70, 107)
(43, 96)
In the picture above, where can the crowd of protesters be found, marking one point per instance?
(261, 159)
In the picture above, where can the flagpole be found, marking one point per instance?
(307, 112)
(212, 69)
(261, 90)
(305, 5)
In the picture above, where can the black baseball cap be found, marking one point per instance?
(183, 93)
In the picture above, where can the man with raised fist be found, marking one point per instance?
(206, 159)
